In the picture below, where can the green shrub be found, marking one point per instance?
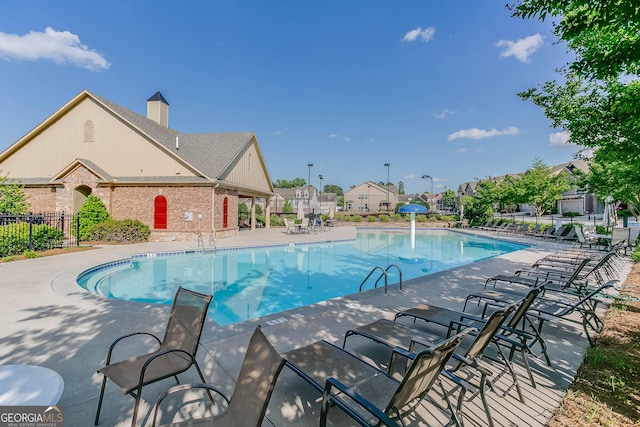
(46, 237)
(14, 238)
(421, 218)
(372, 218)
(570, 214)
(395, 217)
(126, 230)
(31, 254)
(635, 255)
(92, 212)
(357, 218)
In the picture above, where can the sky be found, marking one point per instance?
(429, 88)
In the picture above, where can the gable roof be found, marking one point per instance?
(209, 155)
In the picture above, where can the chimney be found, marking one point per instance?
(158, 109)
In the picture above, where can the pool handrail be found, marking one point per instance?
(384, 274)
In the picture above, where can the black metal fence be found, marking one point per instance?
(37, 232)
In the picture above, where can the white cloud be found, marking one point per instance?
(347, 139)
(522, 49)
(333, 135)
(460, 151)
(279, 132)
(559, 138)
(442, 115)
(476, 133)
(424, 35)
(58, 46)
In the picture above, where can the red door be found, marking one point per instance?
(225, 213)
(160, 213)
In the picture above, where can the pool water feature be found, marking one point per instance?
(255, 282)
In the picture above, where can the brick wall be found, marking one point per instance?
(41, 199)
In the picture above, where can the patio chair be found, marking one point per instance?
(512, 334)
(248, 404)
(304, 226)
(393, 334)
(561, 279)
(364, 392)
(533, 231)
(175, 355)
(289, 226)
(562, 308)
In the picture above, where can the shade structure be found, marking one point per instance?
(300, 211)
(413, 210)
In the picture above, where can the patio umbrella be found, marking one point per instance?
(609, 218)
(412, 209)
(461, 212)
(300, 213)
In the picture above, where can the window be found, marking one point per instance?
(88, 131)
(160, 213)
(225, 213)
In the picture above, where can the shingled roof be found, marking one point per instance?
(210, 153)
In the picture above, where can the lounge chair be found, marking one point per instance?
(549, 231)
(561, 279)
(175, 355)
(562, 307)
(246, 407)
(512, 335)
(363, 391)
(394, 334)
(533, 231)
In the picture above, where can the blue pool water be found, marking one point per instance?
(252, 283)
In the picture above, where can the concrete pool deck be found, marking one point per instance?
(49, 321)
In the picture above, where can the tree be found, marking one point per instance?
(540, 188)
(400, 187)
(450, 200)
(333, 189)
(598, 102)
(287, 208)
(92, 212)
(296, 182)
(12, 201)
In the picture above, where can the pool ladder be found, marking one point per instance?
(383, 274)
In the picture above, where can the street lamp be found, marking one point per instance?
(320, 177)
(430, 198)
(387, 166)
(309, 188)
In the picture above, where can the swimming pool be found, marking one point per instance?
(256, 282)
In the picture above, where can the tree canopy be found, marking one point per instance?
(598, 100)
(12, 200)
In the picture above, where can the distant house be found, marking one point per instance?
(179, 184)
(371, 197)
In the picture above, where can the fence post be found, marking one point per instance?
(30, 231)
(77, 217)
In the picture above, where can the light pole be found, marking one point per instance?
(387, 166)
(430, 198)
(309, 188)
(320, 177)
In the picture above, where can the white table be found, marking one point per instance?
(29, 385)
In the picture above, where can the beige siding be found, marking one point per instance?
(116, 148)
(249, 170)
